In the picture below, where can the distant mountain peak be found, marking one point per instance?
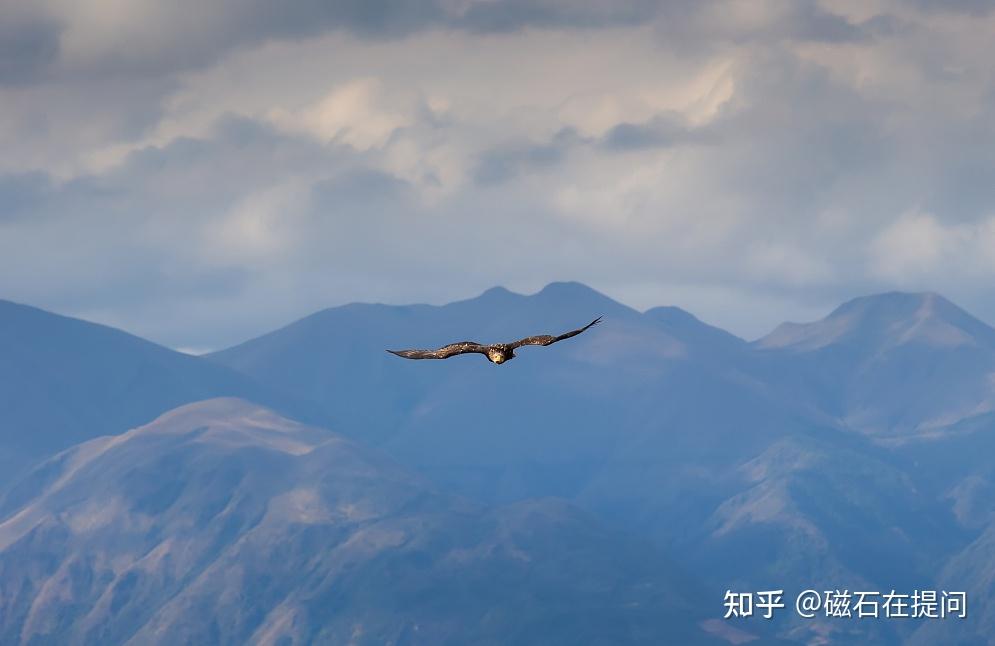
(232, 422)
(498, 291)
(572, 293)
(691, 329)
(216, 530)
(66, 380)
(570, 287)
(210, 411)
(894, 318)
(896, 304)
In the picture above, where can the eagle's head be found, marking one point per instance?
(499, 356)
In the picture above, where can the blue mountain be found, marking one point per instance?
(850, 451)
(222, 522)
(671, 428)
(63, 381)
(893, 366)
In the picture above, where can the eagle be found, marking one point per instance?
(496, 352)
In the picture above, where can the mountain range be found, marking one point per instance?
(63, 381)
(222, 522)
(851, 452)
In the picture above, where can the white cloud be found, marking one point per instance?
(357, 113)
(261, 227)
(918, 247)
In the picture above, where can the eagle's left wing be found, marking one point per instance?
(446, 351)
(546, 339)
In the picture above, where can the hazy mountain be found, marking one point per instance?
(335, 356)
(853, 451)
(63, 380)
(971, 571)
(580, 393)
(633, 416)
(894, 365)
(679, 431)
(221, 522)
(638, 419)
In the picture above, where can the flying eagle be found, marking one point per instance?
(496, 352)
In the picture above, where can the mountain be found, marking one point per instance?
(815, 448)
(63, 380)
(621, 417)
(894, 366)
(848, 452)
(222, 522)
(334, 356)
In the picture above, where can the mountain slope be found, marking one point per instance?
(433, 413)
(672, 429)
(222, 522)
(892, 365)
(64, 380)
(683, 433)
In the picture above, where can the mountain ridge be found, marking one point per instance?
(910, 316)
(199, 527)
(64, 380)
(654, 422)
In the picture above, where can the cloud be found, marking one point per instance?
(225, 177)
(972, 7)
(504, 163)
(917, 248)
(29, 44)
(503, 16)
(107, 38)
(101, 39)
(22, 194)
(359, 113)
(662, 130)
(719, 23)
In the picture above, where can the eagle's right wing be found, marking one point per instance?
(446, 351)
(546, 339)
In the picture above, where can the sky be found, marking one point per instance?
(200, 173)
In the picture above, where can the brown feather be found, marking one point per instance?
(446, 351)
(466, 347)
(547, 339)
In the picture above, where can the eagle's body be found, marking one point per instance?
(496, 352)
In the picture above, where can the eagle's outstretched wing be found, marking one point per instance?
(546, 339)
(446, 351)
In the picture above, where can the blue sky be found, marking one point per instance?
(198, 173)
